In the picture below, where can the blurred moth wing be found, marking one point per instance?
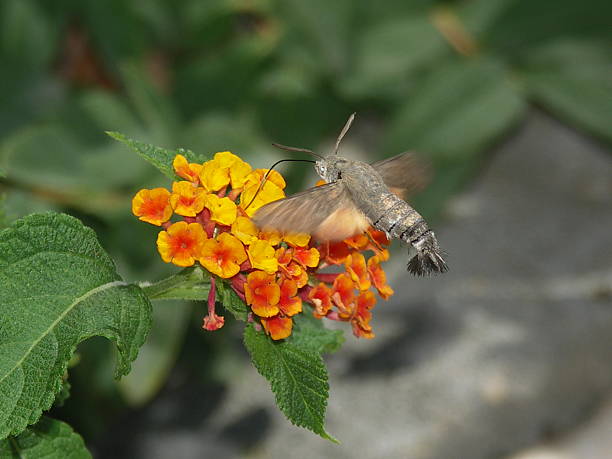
(327, 212)
(405, 174)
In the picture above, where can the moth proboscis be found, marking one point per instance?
(358, 195)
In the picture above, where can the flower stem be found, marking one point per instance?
(190, 284)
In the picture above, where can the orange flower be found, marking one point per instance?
(335, 253)
(278, 327)
(290, 268)
(343, 295)
(223, 256)
(261, 256)
(188, 171)
(379, 237)
(289, 303)
(187, 199)
(320, 297)
(262, 293)
(356, 266)
(222, 210)
(181, 243)
(379, 278)
(361, 319)
(306, 257)
(357, 242)
(152, 206)
(245, 230)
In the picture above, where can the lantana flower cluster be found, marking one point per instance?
(206, 219)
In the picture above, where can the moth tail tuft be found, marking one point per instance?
(425, 264)
(428, 258)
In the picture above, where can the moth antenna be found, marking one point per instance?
(265, 177)
(343, 132)
(300, 150)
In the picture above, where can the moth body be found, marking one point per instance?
(385, 210)
(358, 195)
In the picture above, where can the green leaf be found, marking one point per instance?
(572, 80)
(328, 34)
(520, 25)
(63, 395)
(159, 157)
(57, 288)
(457, 111)
(231, 301)
(47, 439)
(309, 332)
(157, 356)
(298, 378)
(389, 52)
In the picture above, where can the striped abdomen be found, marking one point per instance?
(395, 217)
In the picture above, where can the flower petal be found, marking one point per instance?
(262, 256)
(152, 206)
(182, 243)
(278, 327)
(262, 293)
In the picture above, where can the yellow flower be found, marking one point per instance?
(238, 169)
(212, 177)
(223, 169)
(269, 192)
(297, 239)
(255, 178)
(188, 171)
(223, 256)
(222, 210)
(187, 199)
(272, 236)
(181, 243)
(245, 230)
(262, 256)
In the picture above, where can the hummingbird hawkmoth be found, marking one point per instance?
(357, 195)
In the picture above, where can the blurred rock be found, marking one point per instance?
(512, 345)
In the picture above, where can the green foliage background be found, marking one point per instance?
(448, 79)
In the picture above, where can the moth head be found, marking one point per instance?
(329, 168)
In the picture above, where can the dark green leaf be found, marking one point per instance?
(390, 52)
(325, 27)
(231, 301)
(522, 24)
(572, 79)
(63, 394)
(298, 378)
(310, 332)
(457, 111)
(57, 288)
(48, 439)
(161, 158)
